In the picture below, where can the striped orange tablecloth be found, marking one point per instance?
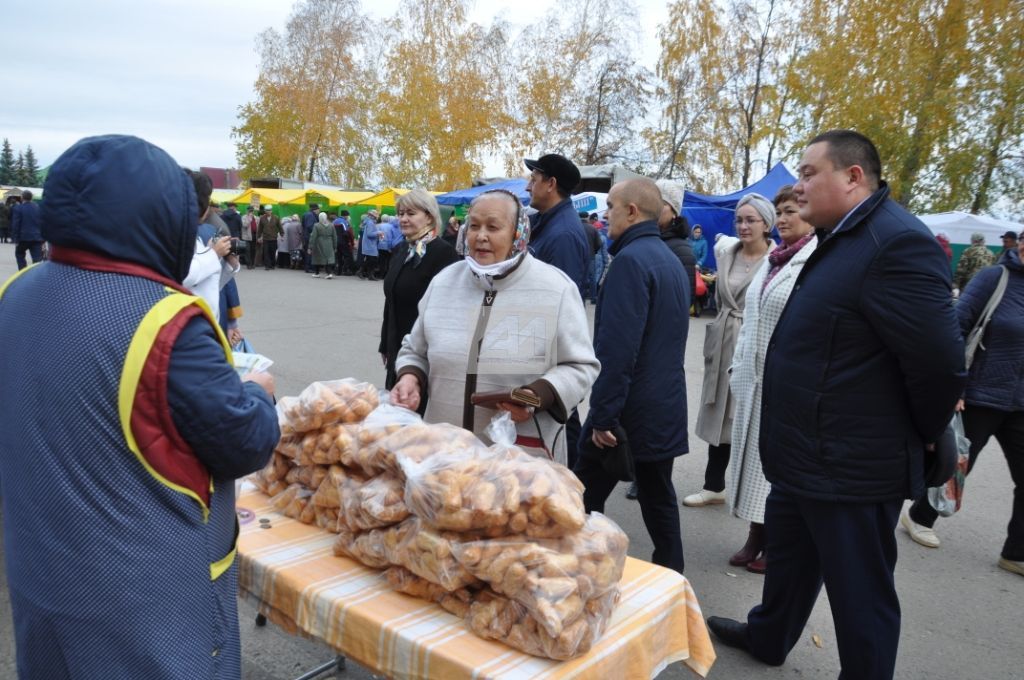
(298, 583)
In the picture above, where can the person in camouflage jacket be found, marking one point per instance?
(975, 258)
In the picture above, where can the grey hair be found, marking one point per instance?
(421, 199)
(764, 208)
(517, 207)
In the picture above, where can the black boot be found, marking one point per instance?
(632, 492)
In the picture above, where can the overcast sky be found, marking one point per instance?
(172, 72)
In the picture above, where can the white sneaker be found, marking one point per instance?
(316, 276)
(1012, 566)
(921, 535)
(704, 497)
(330, 276)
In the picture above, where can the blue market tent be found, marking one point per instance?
(465, 196)
(715, 214)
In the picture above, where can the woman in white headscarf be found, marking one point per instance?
(498, 320)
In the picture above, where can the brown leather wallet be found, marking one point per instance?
(516, 395)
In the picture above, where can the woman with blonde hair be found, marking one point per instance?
(414, 264)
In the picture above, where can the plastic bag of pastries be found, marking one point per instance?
(367, 547)
(326, 518)
(416, 442)
(295, 502)
(498, 618)
(498, 491)
(385, 420)
(309, 476)
(404, 581)
(552, 578)
(272, 479)
(428, 553)
(326, 403)
(373, 503)
(335, 483)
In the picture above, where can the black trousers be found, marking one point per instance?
(35, 248)
(718, 461)
(851, 548)
(572, 438)
(269, 253)
(344, 261)
(657, 497)
(980, 424)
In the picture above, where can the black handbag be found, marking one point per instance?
(617, 461)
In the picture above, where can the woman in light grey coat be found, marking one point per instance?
(766, 297)
(500, 319)
(738, 260)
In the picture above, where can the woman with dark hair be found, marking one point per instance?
(414, 264)
(766, 297)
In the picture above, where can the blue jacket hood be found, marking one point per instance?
(123, 198)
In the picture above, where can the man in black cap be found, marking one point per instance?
(556, 235)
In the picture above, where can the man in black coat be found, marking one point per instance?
(861, 376)
(639, 333)
(233, 219)
(309, 220)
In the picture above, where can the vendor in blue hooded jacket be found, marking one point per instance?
(123, 426)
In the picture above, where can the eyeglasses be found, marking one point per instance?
(749, 220)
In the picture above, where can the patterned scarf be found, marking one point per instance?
(418, 246)
(780, 257)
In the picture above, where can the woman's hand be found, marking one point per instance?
(234, 336)
(520, 414)
(959, 406)
(406, 392)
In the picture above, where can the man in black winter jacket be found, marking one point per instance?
(861, 376)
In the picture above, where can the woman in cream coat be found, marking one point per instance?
(766, 298)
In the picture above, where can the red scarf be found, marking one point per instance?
(780, 257)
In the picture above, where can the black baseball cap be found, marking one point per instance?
(1010, 234)
(565, 172)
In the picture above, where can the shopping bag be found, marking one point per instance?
(946, 499)
(701, 288)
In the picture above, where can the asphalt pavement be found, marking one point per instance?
(961, 614)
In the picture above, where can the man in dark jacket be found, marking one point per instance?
(861, 376)
(556, 235)
(26, 230)
(309, 220)
(154, 427)
(233, 219)
(639, 333)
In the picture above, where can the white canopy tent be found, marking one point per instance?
(959, 226)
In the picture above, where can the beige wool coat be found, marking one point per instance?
(714, 419)
(747, 488)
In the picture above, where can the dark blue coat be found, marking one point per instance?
(865, 364)
(557, 237)
(234, 222)
(309, 220)
(25, 224)
(997, 374)
(639, 333)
